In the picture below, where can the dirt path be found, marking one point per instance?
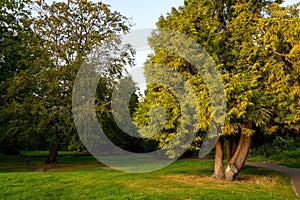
(293, 173)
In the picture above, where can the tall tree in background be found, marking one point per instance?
(70, 31)
(256, 48)
(66, 32)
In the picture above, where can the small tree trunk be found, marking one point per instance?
(234, 145)
(228, 149)
(219, 168)
(230, 146)
(52, 156)
(237, 161)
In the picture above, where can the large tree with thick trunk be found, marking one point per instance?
(64, 33)
(69, 32)
(255, 46)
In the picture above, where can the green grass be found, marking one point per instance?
(291, 164)
(34, 161)
(43, 153)
(84, 178)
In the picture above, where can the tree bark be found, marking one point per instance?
(228, 149)
(230, 146)
(219, 173)
(237, 161)
(52, 156)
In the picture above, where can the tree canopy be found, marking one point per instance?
(255, 46)
(62, 35)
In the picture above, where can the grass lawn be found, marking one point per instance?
(43, 153)
(81, 177)
(291, 164)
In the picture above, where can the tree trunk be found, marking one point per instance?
(230, 146)
(237, 161)
(219, 173)
(52, 156)
(228, 149)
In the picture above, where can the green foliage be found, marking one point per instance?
(256, 48)
(280, 148)
(16, 55)
(38, 99)
(13, 32)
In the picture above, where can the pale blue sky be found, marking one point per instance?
(144, 13)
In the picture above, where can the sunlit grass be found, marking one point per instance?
(81, 178)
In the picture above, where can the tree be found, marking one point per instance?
(13, 30)
(15, 55)
(259, 64)
(66, 32)
(69, 45)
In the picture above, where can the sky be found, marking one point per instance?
(144, 13)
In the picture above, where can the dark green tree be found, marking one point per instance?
(16, 55)
(65, 33)
(70, 31)
(13, 32)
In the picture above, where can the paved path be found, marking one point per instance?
(293, 173)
